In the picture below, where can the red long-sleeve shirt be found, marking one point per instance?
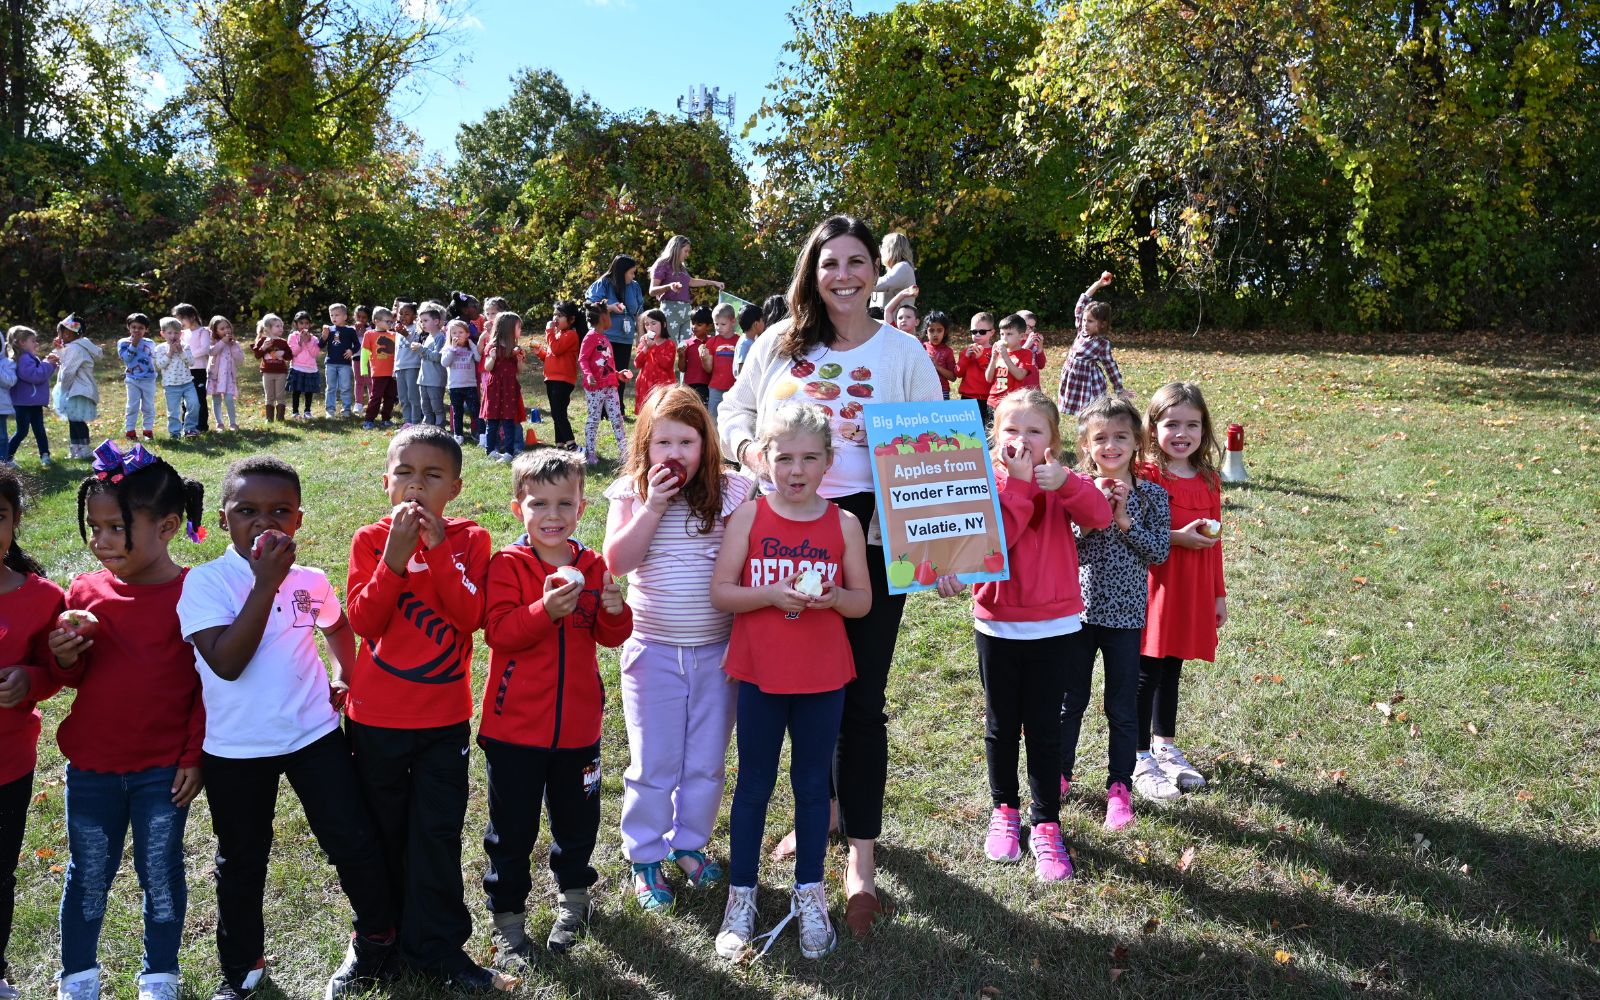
(138, 703)
(544, 687)
(27, 616)
(413, 666)
(1042, 548)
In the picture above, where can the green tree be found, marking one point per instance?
(498, 153)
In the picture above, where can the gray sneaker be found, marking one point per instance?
(1151, 782)
(817, 937)
(512, 949)
(160, 986)
(573, 910)
(1177, 767)
(83, 985)
(738, 923)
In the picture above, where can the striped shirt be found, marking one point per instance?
(670, 592)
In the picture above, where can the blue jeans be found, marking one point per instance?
(431, 398)
(341, 386)
(410, 396)
(183, 409)
(100, 809)
(5, 437)
(714, 402)
(505, 437)
(812, 721)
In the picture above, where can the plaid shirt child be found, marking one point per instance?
(1089, 363)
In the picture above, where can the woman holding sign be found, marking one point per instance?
(830, 352)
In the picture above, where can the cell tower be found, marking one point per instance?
(703, 102)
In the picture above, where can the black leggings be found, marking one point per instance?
(77, 431)
(14, 798)
(861, 761)
(624, 359)
(1022, 686)
(560, 394)
(1158, 697)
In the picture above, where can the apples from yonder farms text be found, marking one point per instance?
(82, 623)
(809, 583)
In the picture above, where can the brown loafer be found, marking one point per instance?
(861, 911)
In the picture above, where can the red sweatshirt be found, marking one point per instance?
(27, 616)
(1041, 548)
(973, 372)
(544, 687)
(413, 666)
(138, 703)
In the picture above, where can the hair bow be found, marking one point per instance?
(111, 463)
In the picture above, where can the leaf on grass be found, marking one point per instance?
(1187, 859)
(1117, 974)
(58, 869)
(1472, 727)
(1416, 731)
(1357, 986)
(1119, 954)
(1524, 796)
(45, 853)
(1384, 708)
(1282, 957)
(1361, 581)
(990, 991)
(1152, 925)
(40, 797)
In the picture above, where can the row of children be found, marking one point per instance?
(386, 796)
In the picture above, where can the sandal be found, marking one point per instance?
(861, 911)
(650, 888)
(705, 872)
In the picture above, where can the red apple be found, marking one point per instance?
(994, 562)
(680, 475)
(927, 573)
(82, 623)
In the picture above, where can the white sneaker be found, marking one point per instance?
(1151, 782)
(1177, 767)
(83, 985)
(738, 923)
(160, 986)
(7, 991)
(817, 937)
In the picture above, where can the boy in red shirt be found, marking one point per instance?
(972, 367)
(551, 602)
(1010, 364)
(416, 596)
(723, 346)
(695, 359)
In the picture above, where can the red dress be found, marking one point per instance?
(502, 400)
(1182, 621)
(655, 367)
(809, 654)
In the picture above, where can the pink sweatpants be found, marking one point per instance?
(679, 708)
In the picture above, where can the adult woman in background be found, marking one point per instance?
(619, 293)
(671, 283)
(834, 274)
(898, 274)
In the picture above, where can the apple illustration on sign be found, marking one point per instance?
(81, 623)
(927, 573)
(902, 573)
(994, 562)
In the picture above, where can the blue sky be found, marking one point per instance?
(644, 54)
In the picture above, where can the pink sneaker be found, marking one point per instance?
(1065, 785)
(1119, 806)
(1005, 830)
(1050, 859)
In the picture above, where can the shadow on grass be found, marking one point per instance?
(1486, 349)
(1268, 483)
(1539, 889)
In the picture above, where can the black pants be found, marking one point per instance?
(14, 798)
(560, 394)
(1158, 697)
(1022, 700)
(703, 390)
(568, 781)
(415, 782)
(77, 431)
(861, 762)
(464, 403)
(1120, 649)
(623, 353)
(29, 418)
(199, 376)
(243, 795)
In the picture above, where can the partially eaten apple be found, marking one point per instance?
(1210, 528)
(809, 583)
(82, 623)
(680, 475)
(569, 574)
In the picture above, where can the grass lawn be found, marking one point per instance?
(1400, 731)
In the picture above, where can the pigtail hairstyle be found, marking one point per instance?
(592, 313)
(675, 401)
(14, 557)
(155, 488)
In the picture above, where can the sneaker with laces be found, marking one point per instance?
(650, 888)
(1177, 767)
(1051, 862)
(1005, 833)
(1119, 806)
(738, 923)
(1152, 782)
(364, 962)
(573, 910)
(160, 986)
(83, 985)
(7, 991)
(511, 945)
(817, 936)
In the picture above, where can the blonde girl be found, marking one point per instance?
(222, 376)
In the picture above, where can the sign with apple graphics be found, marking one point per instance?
(938, 511)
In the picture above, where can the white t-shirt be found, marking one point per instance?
(1049, 628)
(280, 703)
(840, 382)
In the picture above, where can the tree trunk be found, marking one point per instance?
(1144, 231)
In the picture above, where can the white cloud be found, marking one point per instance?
(438, 12)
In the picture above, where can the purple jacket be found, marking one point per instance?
(33, 381)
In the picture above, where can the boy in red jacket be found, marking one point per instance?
(551, 602)
(973, 365)
(416, 596)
